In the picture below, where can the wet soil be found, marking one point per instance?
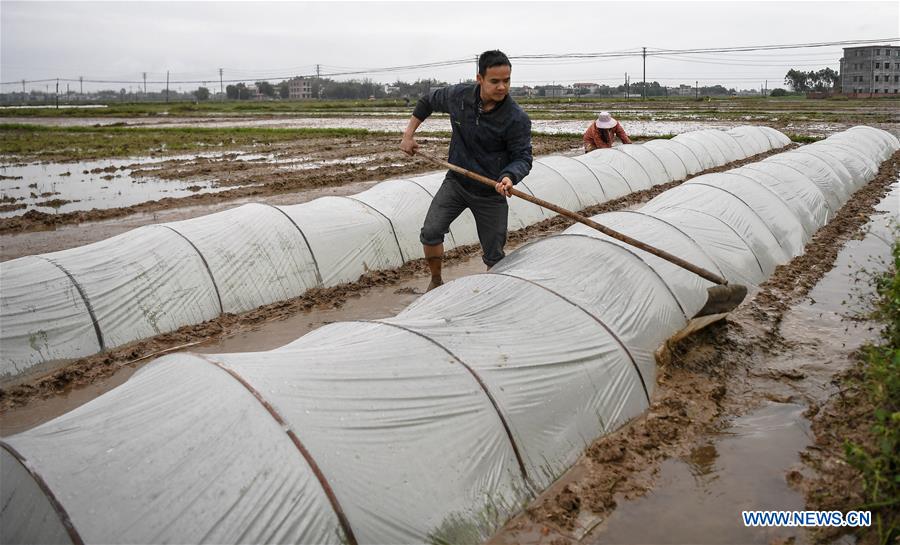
(283, 169)
(768, 357)
(43, 383)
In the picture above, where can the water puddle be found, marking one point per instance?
(658, 123)
(69, 187)
(699, 498)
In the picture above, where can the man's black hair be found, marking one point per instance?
(492, 58)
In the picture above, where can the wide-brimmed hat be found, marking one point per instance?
(605, 121)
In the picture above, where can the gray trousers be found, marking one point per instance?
(490, 211)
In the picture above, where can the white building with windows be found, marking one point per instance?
(300, 88)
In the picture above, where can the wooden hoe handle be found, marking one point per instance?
(699, 271)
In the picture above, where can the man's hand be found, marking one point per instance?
(504, 187)
(589, 148)
(408, 145)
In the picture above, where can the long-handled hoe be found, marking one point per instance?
(720, 299)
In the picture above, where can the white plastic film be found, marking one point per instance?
(142, 283)
(526, 358)
(787, 227)
(729, 208)
(587, 185)
(405, 435)
(627, 166)
(405, 205)
(347, 237)
(655, 168)
(255, 254)
(42, 315)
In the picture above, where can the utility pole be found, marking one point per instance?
(57, 93)
(626, 85)
(145, 84)
(23, 86)
(697, 90)
(318, 83)
(81, 86)
(644, 84)
(167, 86)
(221, 88)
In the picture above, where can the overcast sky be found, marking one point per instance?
(274, 40)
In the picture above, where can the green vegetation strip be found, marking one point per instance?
(85, 143)
(878, 460)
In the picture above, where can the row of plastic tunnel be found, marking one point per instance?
(438, 424)
(157, 278)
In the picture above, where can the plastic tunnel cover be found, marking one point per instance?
(860, 168)
(818, 172)
(28, 514)
(880, 140)
(651, 163)
(256, 255)
(862, 155)
(560, 349)
(523, 213)
(732, 150)
(547, 183)
(587, 186)
(160, 275)
(729, 250)
(612, 181)
(797, 190)
(347, 237)
(689, 288)
(849, 180)
(405, 204)
(702, 142)
(701, 150)
(787, 227)
(688, 159)
(626, 294)
(194, 468)
(409, 441)
(675, 165)
(752, 140)
(729, 208)
(42, 315)
(627, 166)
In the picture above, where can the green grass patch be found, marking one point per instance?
(86, 143)
(878, 460)
(803, 138)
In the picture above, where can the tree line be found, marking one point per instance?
(814, 80)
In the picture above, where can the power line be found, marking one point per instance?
(528, 59)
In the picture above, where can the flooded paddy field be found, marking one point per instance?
(747, 385)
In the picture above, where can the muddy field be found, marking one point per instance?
(763, 364)
(278, 173)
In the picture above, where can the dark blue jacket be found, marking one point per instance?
(494, 144)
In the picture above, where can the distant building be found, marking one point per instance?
(873, 69)
(300, 88)
(556, 91)
(590, 88)
(523, 91)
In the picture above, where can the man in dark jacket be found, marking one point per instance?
(491, 136)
